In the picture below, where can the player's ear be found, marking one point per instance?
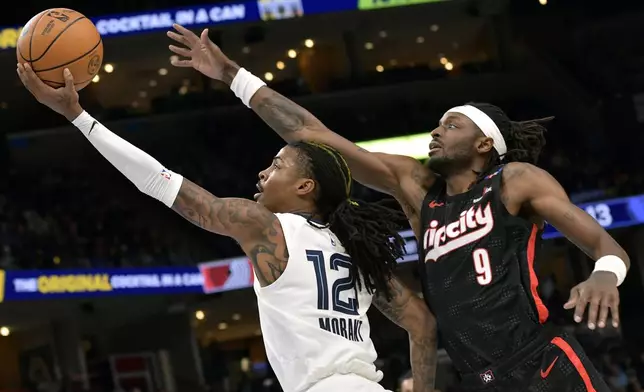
(305, 186)
(484, 144)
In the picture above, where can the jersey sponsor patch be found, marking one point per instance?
(473, 224)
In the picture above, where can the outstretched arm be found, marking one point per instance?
(257, 230)
(536, 193)
(408, 311)
(383, 172)
(292, 122)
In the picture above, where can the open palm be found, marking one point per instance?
(201, 53)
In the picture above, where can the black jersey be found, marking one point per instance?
(478, 276)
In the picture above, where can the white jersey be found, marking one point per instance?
(315, 329)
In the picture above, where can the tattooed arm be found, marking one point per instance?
(256, 229)
(408, 311)
(293, 123)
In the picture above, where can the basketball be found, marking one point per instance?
(60, 38)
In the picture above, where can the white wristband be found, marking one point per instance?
(245, 85)
(612, 264)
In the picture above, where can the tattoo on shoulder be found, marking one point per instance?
(270, 256)
(514, 170)
(511, 172)
(256, 229)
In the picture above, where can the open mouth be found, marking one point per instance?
(260, 190)
(433, 147)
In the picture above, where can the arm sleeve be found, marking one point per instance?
(145, 172)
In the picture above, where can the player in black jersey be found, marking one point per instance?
(478, 209)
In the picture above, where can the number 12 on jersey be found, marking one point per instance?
(336, 261)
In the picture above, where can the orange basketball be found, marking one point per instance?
(60, 38)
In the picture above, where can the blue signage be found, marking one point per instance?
(610, 214)
(208, 15)
(26, 285)
(205, 15)
(187, 16)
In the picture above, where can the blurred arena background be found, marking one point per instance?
(103, 289)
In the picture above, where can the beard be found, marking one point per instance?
(440, 165)
(446, 165)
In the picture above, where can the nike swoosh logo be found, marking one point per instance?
(545, 374)
(95, 123)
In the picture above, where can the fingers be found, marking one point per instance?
(181, 63)
(602, 301)
(69, 81)
(614, 312)
(574, 297)
(207, 42)
(604, 308)
(614, 309)
(185, 36)
(580, 307)
(180, 51)
(21, 74)
(179, 38)
(30, 80)
(593, 309)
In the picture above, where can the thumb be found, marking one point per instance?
(572, 301)
(204, 36)
(69, 80)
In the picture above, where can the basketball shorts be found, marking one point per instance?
(557, 365)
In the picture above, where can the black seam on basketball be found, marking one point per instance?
(51, 81)
(74, 60)
(23, 57)
(31, 36)
(62, 83)
(55, 38)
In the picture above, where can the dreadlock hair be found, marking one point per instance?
(368, 231)
(524, 139)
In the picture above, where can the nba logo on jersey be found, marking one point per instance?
(494, 174)
(487, 377)
(164, 173)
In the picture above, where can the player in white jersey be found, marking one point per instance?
(318, 257)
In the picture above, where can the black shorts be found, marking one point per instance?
(557, 365)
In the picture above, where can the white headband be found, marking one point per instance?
(485, 123)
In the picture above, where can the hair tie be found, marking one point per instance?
(353, 203)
